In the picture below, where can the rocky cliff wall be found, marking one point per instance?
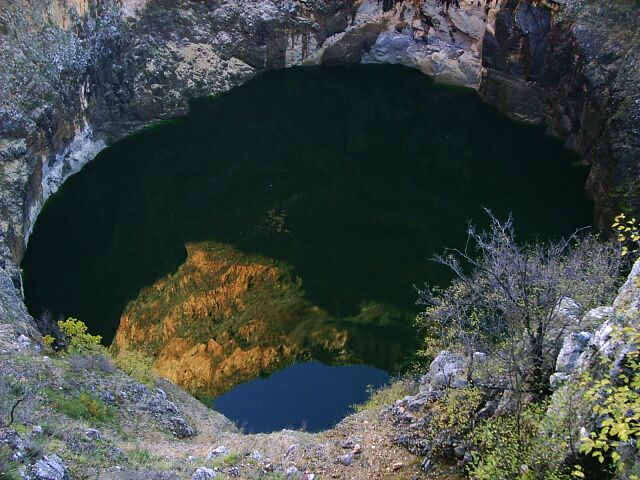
(78, 75)
(574, 66)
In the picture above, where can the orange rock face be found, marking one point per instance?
(226, 317)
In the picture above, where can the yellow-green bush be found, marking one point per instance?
(616, 404)
(78, 338)
(136, 364)
(519, 447)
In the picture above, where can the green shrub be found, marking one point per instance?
(9, 469)
(84, 406)
(78, 339)
(136, 364)
(615, 402)
(518, 447)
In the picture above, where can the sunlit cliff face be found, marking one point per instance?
(225, 317)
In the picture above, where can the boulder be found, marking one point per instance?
(180, 428)
(628, 300)
(573, 345)
(568, 311)
(50, 467)
(203, 473)
(218, 452)
(448, 369)
(595, 317)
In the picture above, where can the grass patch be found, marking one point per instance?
(84, 406)
(387, 395)
(226, 461)
(140, 457)
(9, 470)
(137, 365)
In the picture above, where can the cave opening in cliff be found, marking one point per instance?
(263, 250)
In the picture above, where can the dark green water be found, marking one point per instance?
(373, 169)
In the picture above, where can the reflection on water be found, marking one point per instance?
(309, 201)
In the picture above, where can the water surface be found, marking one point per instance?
(352, 177)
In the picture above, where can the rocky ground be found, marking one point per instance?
(133, 430)
(78, 416)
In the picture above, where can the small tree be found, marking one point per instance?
(78, 339)
(512, 299)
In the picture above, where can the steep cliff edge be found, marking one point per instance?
(574, 67)
(78, 75)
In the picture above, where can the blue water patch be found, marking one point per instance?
(310, 396)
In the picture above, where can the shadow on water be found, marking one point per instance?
(354, 176)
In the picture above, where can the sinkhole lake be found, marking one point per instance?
(275, 234)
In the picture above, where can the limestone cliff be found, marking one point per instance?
(77, 75)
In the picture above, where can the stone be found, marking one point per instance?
(23, 342)
(628, 300)
(595, 317)
(203, 473)
(557, 379)
(347, 444)
(50, 467)
(568, 311)
(346, 459)
(92, 434)
(459, 451)
(291, 472)
(256, 455)
(180, 428)
(218, 452)
(447, 370)
(573, 345)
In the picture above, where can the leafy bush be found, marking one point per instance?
(455, 410)
(84, 406)
(615, 402)
(136, 364)
(518, 447)
(78, 339)
(628, 234)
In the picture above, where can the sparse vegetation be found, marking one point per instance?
(516, 300)
(386, 395)
(83, 406)
(136, 364)
(140, 457)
